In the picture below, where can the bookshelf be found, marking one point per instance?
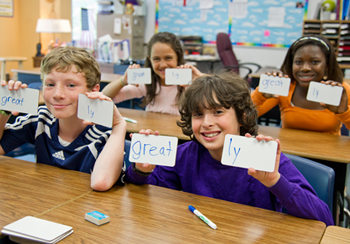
(337, 32)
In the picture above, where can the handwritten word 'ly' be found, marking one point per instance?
(138, 149)
(175, 75)
(315, 92)
(91, 112)
(236, 151)
(9, 99)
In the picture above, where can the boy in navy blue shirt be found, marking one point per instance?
(62, 139)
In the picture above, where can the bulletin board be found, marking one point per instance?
(255, 27)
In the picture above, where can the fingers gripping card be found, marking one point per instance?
(139, 76)
(327, 94)
(95, 110)
(159, 150)
(274, 85)
(24, 100)
(244, 152)
(178, 76)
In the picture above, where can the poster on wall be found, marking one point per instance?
(268, 23)
(6, 8)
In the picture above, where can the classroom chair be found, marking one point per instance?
(127, 145)
(320, 177)
(229, 60)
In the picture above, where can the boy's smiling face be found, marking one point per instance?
(61, 92)
(210, 126)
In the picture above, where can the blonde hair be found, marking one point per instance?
(62, 58)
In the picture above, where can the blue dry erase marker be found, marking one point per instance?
(202, 217)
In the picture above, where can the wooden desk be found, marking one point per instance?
(311, 144)
(151, 214)
(30, 188)
(164, 123)
(336, 235)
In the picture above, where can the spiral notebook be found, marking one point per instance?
(34, 230)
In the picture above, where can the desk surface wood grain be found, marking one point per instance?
(311, 144)
(336, 235)
(164, 123)
(151, 214)
(30, 188)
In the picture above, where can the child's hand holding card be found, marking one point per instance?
(23, 100)
(95, 110)
(274, 85)
(139, 76)
(319, 92)
(178, 76)
(159, 150)
(244, 152)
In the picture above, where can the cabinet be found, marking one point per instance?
(131, 28)
(337, 32)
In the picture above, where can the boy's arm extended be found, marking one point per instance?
(109, 163)
(12, 85)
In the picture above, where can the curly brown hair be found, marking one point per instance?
(174, 42)
(224, 89)
(64, 57)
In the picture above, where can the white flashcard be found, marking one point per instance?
(327, 94)
(24, 100)
(139, 76)
(95, 110)
(244, 152)
(274, 85)
(35, 228)
(159, 150)
(178, 76)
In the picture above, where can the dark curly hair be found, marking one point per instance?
(333, 70)
(224, 89)
(174, 42)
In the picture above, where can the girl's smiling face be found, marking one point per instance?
(162, 57)
(309, 64)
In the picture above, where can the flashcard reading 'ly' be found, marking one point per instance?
(244, 152)
(139, 76)
(319, 92)
(95, 110)
(274, 85)
(159, 150)
(178, 76)
(23, 100)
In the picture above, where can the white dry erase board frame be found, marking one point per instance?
(252, 30)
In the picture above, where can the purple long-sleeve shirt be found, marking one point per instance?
(197, 172)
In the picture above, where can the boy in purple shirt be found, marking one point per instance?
(212, 107)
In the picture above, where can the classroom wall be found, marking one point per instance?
(261, 55)
(18, 36)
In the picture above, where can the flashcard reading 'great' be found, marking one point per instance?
(139, 76)
(95, 110)
(23, 100)
(274, 85)
(244, 152)
(178, 76)
(327, 94)
(160, 150)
